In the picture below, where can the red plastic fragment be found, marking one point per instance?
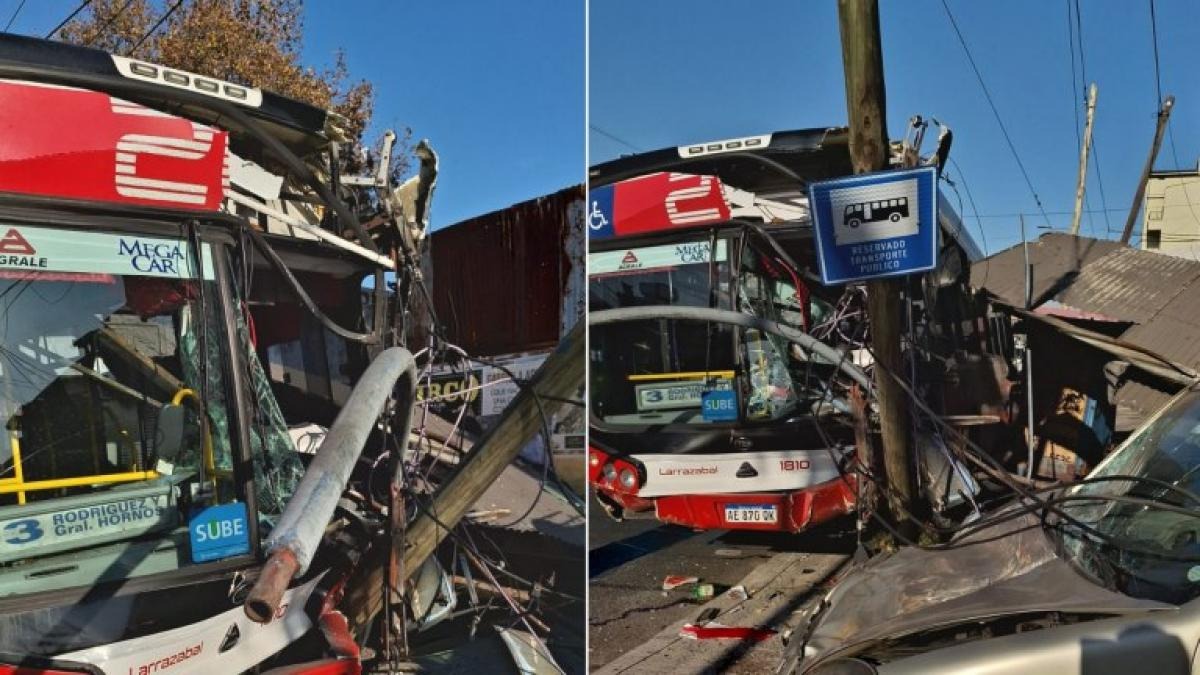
(673, 581)
(715, 631)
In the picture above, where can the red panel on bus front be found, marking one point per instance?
(79, 144)
(664, 201)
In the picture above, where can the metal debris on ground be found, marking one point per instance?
(529, 652)
(737, 593)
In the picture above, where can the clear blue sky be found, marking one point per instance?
(676, 71)
(498, 88)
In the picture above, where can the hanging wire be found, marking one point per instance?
(155, 27)
(108, 23)
(67, 20)
(996, 112)
(13, 18)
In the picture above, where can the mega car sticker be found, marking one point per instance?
(601, 263)
(27, 249)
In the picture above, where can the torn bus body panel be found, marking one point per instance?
(197, 311)
(721, 366)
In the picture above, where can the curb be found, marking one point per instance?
(772, 588)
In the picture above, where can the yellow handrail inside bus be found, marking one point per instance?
(18, 485)
(18, 474)
(210, 461)
(691, 375)
(11, 485)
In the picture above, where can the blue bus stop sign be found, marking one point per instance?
(875, 225)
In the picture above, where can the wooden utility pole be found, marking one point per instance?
(560, 377)
(862, 60)
(1164, 113)
(1081, 184)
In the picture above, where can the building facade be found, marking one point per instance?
(1171, 213)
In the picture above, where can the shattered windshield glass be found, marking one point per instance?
(107, 447)
(1151, 552)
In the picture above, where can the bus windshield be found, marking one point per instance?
(111, 347)
(662, 371)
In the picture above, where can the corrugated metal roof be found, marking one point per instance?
(500, 279)
(1159, 294)
(1130, 284)
(1055, 257)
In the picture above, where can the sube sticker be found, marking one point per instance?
(219, 532)
(719, 405)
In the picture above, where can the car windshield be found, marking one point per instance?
(110, 349)
(1141, 550)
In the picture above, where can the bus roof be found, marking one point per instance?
(780, 164)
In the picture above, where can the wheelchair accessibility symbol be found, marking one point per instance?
(596, 219)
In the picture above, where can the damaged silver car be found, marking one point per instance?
(1099, 577)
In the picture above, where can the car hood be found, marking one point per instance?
(1005, 570)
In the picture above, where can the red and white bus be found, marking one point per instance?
(719, 364)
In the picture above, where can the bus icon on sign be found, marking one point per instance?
(874, 212)
(862, 213)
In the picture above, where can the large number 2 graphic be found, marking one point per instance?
(683, 216)
(129, 146)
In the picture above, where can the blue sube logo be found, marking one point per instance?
(219, 532)
(719, 405)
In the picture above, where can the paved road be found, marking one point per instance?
(628, 561)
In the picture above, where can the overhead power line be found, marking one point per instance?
(1079, 39)
(155, 27)
(13, 18)
(1154, 38)
(112, 19)
(1083, 81)
(988, 95)
(67, 20)
(613, 137)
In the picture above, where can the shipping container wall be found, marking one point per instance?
(502, 282)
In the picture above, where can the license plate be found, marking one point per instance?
(751, 513)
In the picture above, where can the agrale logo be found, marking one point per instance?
(16, 250)
(629, 262)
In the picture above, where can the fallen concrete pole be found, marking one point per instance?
(293, 542)
(559, 377)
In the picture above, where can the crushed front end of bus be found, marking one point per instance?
(206, 400)
(724, 375)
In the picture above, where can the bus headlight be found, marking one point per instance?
(610, 472)
(628, 479)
